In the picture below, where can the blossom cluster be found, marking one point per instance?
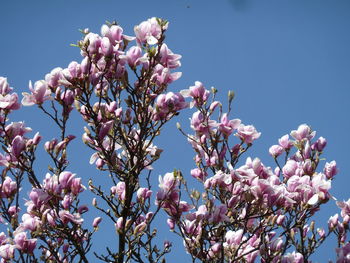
(252, 211)
(243, 211)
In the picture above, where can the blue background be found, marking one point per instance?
(287, 61)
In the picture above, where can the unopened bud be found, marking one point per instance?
(230, 95)
(94, 202)
(96, 222)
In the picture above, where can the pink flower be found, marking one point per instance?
(9, 102)
(96, 222)
(120, 223)
(115, 34)
(215, 250)
(169, 103)
(219, 214)
(67, 97)
(191, 227)
(168, 183)
(134, 56)
(53, 77)
(94, 43)
(4, 86)
(148, 32)
(8, 188)
(39, 93)
(67, 201)
(23, 244)
(293, 257)
(143, 193)
(285, 142)
(18, 145)
(321, 232)
(303, 132)
(168, 195)
(201, 124)
(333, 221)
(163, 76)
(13, 211)
(320, 144)
(199, 94)
(320, 186)
(171, 223)
(345, 210)
(105, 128)
(227, 126)
(7, 251)
(76, 186)
(234, 238)
(168, 58)
(275, 150)
(3, 238)
(247, 133)
(106, 47)
(30, 223)
(119, 189)
(330, 169)
(67, 217)
(197, 173)
(65, 179)
(290, 168)
(343, 254)
(39, 197)
(85, 66)
(74, 69)
(140, 228)
(16, 128)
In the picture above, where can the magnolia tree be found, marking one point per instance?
(242, 213)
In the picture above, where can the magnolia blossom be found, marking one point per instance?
(9, 101)
(345, 210)
(330, 169)
(293, 257)
(247, 133)
(39, 93)
(8, 188)
(285, 142)
(143, 193)
(96, 222)
(7, 251)
(134, 56)
(114, 33)
(24, 244)
(168, 103)
(16, 128)
(303, 132)
(163, 76)
(4, 86)
(149, 31)
(199, 94)
(168, 58)
(119, 189)
(276, 150)
(52, 78)
(343, 254)
(227, 126)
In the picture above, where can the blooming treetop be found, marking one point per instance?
(244, 212)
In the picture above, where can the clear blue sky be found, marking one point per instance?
(287, 61)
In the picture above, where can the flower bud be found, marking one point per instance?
(96, 222)
(275, 151)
